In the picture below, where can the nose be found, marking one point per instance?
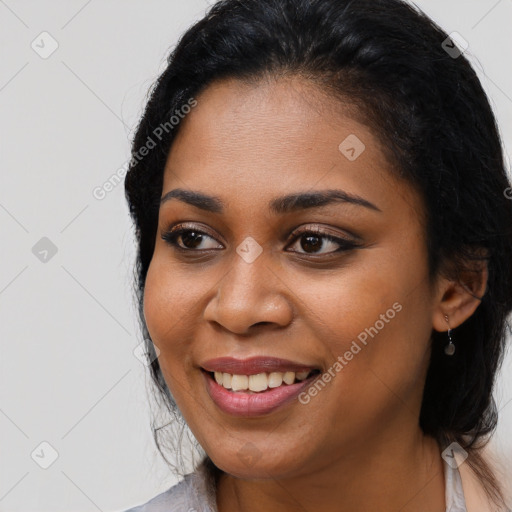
(249, 296)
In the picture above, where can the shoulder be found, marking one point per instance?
(474, 492)
(173, 499)
(193, 493)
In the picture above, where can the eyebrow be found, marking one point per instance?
(280, 205)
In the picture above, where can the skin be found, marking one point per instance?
(357, 445)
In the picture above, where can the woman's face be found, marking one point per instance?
(256, 281)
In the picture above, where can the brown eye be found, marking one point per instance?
(188, 239)
(313, 241)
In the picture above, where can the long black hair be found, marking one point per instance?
(423, 100)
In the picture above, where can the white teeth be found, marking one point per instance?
(226, 380)
(275, 379)
(259, 382)
(239, 382)
(289, 377)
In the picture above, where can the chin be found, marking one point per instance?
(255, 466)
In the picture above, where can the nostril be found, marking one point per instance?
(261, 324)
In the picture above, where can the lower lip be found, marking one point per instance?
(254, 404)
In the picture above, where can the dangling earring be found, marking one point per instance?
(449, 350)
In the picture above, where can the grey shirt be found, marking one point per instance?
(196, 493)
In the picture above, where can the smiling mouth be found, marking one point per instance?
(261, 382)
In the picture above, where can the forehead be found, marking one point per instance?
(253, 141)
(234, 118)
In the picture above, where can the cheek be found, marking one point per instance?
(343, 306)
(168, 312)
(377, 317)
(166, 319)
(168, 305)
(173, 308)
(156, 304)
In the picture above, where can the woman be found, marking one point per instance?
(324, 240)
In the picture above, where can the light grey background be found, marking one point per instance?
(67, 326)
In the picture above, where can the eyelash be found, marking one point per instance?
(173, 234)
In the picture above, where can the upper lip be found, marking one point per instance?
(254, 365)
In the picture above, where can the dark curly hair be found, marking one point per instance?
(389, 61)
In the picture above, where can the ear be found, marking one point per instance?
(458, 298)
